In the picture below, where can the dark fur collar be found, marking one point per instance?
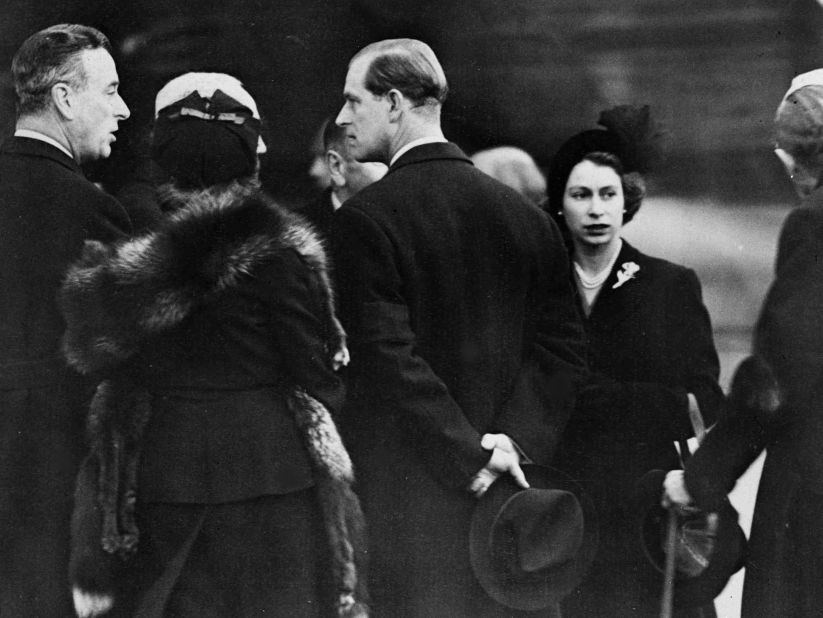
(115, 296)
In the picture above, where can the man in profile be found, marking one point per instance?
(68, 110)
(465, 341)
(347, 177)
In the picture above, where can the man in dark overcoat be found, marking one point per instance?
(777, 394)
(465, 343)
(68, 111)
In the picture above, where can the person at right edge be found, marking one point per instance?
(650, 351)
(777, 393)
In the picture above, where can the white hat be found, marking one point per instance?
(810, 78)
(205, 84)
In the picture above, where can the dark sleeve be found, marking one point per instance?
(288, 287)
(787, 336)
(377, 319)
(108, 221)
(663, 408)
(729, 449)
(553, 361)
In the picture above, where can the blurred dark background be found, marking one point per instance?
(523, 72)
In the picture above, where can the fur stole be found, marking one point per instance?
(116, 297)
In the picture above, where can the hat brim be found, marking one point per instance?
(559, 582)
(727, 558)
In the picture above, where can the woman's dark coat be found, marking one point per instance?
(786, 544)
(649, 344)
(220, 316)
(454, 292)
(47, 210)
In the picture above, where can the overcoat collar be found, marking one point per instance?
(615, 304)
(430, 152)
(28, 147)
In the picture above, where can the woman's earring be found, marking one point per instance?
(559, 213)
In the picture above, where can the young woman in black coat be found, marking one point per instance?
(650, 351)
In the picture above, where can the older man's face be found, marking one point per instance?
(99, 108)
(365, 117)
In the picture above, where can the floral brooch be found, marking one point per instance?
(629, 270)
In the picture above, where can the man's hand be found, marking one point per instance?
(505, 459)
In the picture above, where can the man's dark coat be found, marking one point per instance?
(455, 293)
(786, 544)
(47, 210)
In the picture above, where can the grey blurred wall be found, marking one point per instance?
(522, 72)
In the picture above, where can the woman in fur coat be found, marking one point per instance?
(650, 351)
(217, 484)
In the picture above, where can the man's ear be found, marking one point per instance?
(62, 95)
(336, 163)
(397, 102)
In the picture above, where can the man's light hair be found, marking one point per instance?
(407, 65)
(49, 57)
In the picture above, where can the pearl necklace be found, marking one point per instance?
(592, 283)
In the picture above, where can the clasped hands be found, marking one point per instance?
(505, 459)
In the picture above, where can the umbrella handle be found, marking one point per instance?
(699, 428)
(667, 599)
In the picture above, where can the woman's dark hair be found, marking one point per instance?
(634, 187)
(49, 57)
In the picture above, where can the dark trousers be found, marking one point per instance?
(41, 445)
(259, 557)
(788, 580)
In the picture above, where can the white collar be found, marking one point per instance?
(43, 138)
(335, 201)
(416, 142)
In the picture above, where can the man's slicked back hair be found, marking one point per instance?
(407, 65)
(49, 57)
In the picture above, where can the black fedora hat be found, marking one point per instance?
(710, 547)
(529, 548)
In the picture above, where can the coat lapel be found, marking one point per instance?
(429, 152)
(614, 304)
(30, 147)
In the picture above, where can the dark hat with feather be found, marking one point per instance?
(629, 133)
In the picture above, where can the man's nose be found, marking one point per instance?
(342, 118)
(121, 110)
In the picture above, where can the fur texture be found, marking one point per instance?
(117, 296)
